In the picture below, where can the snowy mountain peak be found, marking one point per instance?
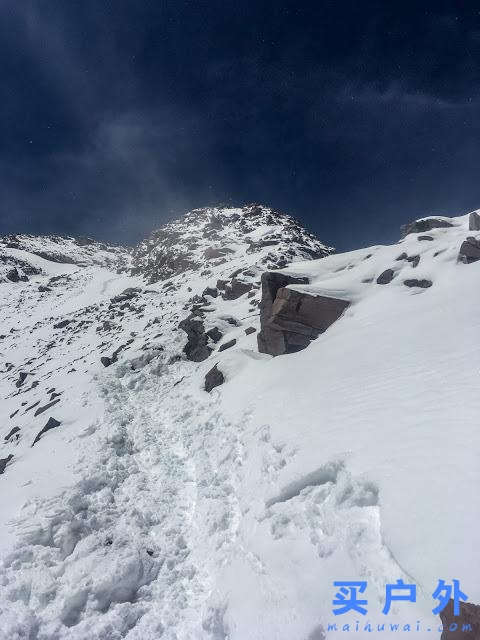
(212, 236)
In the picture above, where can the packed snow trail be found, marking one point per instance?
(163, 515)
(118, 555)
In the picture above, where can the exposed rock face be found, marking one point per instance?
(469, 251)
(215, 334)
(474, 221)
(214, 378)
(291, 319)
(197, 348)
(420, 226)
(455, 627)
(386, 277)
(201, 240)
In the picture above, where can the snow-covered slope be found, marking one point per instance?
(136, 505)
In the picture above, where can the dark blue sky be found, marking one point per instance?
(353, 116)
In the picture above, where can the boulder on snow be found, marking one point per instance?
(423, 284)
(236, 289)
(51, 424)
(14, 276)
(420, 226)
(469, 251)
(386, 276)
(294, 318)
(427, 238)
(197, 348)
(4, 462)
(215, 334)
(12, 435)
(456, 627)
(227, 345)
(210, 291)
(214, 378)
(61, 324)
(249, 330)
(22, 376)
(474, 221)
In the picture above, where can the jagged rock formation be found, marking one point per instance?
(206, 238)
(425, 224)
(289, 318)
(469, 250)
(474, 221)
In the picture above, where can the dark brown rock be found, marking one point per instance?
(294, 318)
(210, 291)
(13, 275)
(420, 226)
(4, 462)
(227, 345)
(236, 289)
(40, 410)
(197, 348)
(465, 626)
(469, 251)
(62, 324)
(249, 330)
(386, 276)
(22, 376)
(214, 378)
(13, 434)
(414, 260)
(423, 284)
(51, 424)
(215, 334)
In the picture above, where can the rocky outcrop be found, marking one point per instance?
(474, 221)
(422, 284)
(197, 348)
(4, 462)
(51, 424)
(420, 226)
(227, 345)
(386, 276)
(291, 319)
(469, 251)
(465, 626)
(214, 378)
(236, 289)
